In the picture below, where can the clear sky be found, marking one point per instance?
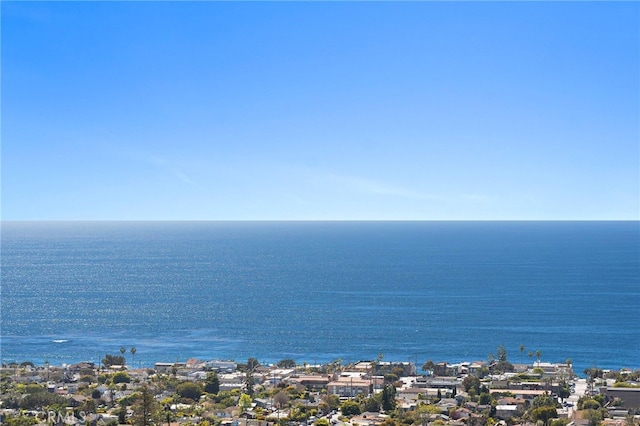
(320, 110)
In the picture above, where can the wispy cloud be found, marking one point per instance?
(474, 198)
(368, 186)
(183, 177)
(170, 168)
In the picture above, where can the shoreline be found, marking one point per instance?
(8, 365)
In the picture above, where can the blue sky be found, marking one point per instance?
(320, 110)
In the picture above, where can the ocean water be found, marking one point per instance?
(319, 291)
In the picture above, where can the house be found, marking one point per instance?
(221, 366)
(509, 400)
(197, 376)
(471, 368)
(407, 406)
(167, 367)
(278, 375)
(77, 400)
(364, 366)
(411, 394)
(461, 414)
(193, 363)
(264, 403)
(554, 370)
(442, 369)
(313, 382)
(408, 368)
(525, 394)
(82, 366)
(231, 381)
(445, 404)
(349, 386)
(367, 419)
(629, 396)
(507, 411)
(443, 382)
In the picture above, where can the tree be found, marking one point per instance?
(252, 364)
(471, 382)
(332, 401)
(280, 399)
(122, 352)
(244, 403)
(538, 355)
(286, 363)
(145, 409)
(425, 412)
(189, 390)
(428, 366)
(503, 365)
(564, 390)
(593, 373)
(120, 377)
(521, 352)
(590, 404)
(212, 383)
(543, 401)
(249, 382)
(122, 412)
(544, 414)
(111, 360)
(388, 398)
(502, 353)
(34, 388)
(390, 378)
(372, 405)
(350, 408)
(484, 398)
(39, 400)
(89, 406)
(20, 420)
(594, 416)
(429, 409)
(543, 408)
(133, 351)
(377, 362)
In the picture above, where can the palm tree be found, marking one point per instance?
(521, 352)
(133, 356)
(569, 369)
(122, 351)
(538, 355)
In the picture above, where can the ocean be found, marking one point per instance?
(321, 291)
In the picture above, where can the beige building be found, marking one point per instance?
(349, 387)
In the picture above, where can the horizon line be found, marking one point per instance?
(311, 220)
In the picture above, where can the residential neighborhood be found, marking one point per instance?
(366, 393)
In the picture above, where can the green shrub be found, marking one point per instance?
(120, 377)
